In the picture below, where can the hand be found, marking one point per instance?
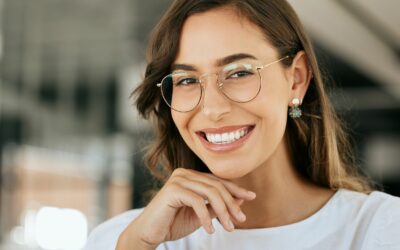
(180, 207)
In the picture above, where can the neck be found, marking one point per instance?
(283, 196)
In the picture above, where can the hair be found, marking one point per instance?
(318, 143)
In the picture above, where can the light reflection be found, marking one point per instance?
(17, 235)
(52, 228)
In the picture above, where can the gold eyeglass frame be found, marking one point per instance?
(220, 85)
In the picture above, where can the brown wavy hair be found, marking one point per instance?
(318, 143)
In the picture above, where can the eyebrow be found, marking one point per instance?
(220, 62)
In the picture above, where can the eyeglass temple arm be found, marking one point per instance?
(259, 67)
(266, 65)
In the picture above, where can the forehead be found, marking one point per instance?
(215, 34)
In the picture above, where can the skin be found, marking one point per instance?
(262, 165)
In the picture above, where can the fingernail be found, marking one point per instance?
(241, 216)
(212, 230)
(230, 225)
(251, 194)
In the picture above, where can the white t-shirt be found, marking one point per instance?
(349, 220)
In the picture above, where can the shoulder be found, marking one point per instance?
(105, 235)
(376, 199)
(376, 217)
(376, 204)
(373, 202)
(385, 225)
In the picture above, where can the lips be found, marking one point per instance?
(225, 138)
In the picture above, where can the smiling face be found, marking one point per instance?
(232, 138)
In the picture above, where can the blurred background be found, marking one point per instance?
(71, 144)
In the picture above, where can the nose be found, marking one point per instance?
(214, 104)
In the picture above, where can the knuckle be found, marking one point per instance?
(198, 201)
(232, 204)
(236, 209)
(219, 185)
(214, 190)
(178, 171)
(177, 179)
(224, 211)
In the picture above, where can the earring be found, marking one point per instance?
(295, 111)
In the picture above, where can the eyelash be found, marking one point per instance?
(191, 81)
(241, 72)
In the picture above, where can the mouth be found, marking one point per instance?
(225, 135)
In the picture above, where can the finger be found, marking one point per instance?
(233, 188)
(191, 199)
(226, 188)
(239, 201)
(212, 180)
(212, 212)
(232, 206)
(215, 199)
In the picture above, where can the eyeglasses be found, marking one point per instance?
(239, 82)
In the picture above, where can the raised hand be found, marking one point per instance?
(188, 200)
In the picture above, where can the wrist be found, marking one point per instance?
(129, 240)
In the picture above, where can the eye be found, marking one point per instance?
(186, 81)
(240, 74)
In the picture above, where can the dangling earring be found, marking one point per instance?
(295, 111)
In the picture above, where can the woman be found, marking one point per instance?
(250, 147)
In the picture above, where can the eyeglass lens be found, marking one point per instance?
(182, 91)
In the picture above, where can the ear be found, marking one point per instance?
(300, 75)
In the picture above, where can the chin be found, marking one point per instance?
(228, 171)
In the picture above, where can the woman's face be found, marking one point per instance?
(206, 38)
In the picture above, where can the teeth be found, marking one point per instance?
(226, 137)
(237, 135)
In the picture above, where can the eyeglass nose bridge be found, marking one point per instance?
(218, 81)
(203, 84)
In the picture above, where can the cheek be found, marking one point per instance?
(179, 120)
(272, 107)
(182, 122)
(273, 119)
(275, 125)
(272, 101)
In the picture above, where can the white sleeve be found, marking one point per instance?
(384, 230)
(105, 236)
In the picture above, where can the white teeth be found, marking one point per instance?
(231, 136)
(226, 137)
(211, 138)
(237, 135)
